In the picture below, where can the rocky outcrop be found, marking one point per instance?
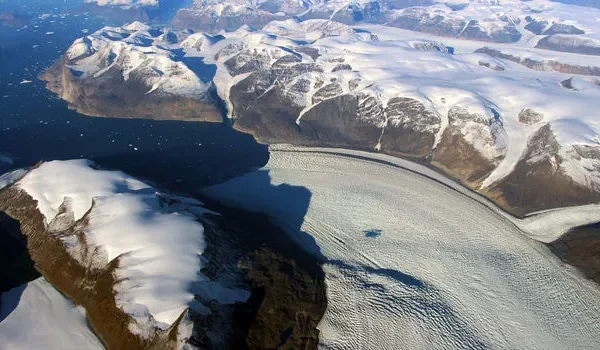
(541, 179)
(570, 43)
(91, 289)
(211, 23)
(580, 247)
(544, 27)
(261, 259)
(125, 72)
(212, 16)
(541, 65)
(114, 97)
(471, 146)
(535, 26)
(423, 20)
(562, 28)
(337, 121)
(285, 98)
(358, 12)
(334, 118)
(529, 116)
(288, 291)
(410, 128)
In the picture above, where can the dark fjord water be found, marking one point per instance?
(36, 126)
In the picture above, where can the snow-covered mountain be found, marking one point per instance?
(556, 26)
(471, 110)
(137, 251)
(150, 268)
(131, 71)
(495, 94)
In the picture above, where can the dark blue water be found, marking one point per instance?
(36, 126)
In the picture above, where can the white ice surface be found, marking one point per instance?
(446, 271)
(43, 319)
(53, 181)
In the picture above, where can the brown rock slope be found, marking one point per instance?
(538, 182)
(460, 159)
(288, 290)
(91, 289)
(112, 96)
(581, 248)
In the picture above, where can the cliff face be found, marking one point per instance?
(544, 177)
(581, 248)
(114, 97)
(472, 114)
(93, 289)
(126, 72)
(415, 98)
(224, 280)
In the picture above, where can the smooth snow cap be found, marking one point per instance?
(158, 244)
(137, 25)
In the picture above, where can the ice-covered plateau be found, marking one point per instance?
(131, 71)
(131, 255)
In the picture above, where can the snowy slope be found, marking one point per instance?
(413, 263)
(447, 76)
(43, 319)
(484, 20)
(135, 53)
(156, 238)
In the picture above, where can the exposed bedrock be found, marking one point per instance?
(580, 247)
(112, 96)
(287, 291)
(540, 180)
